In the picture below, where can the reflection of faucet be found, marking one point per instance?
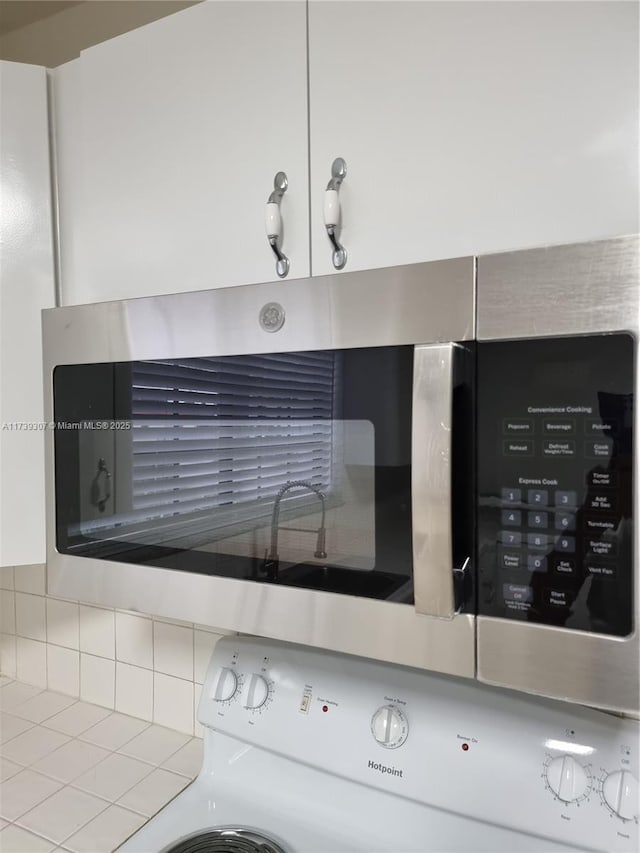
(272, 558)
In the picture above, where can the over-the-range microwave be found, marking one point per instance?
(430, 464)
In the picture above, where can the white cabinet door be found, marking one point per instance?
(27, 286)
(472, 127)
(168, 140)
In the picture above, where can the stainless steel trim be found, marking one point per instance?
(431, 479)
(418, 304)
(577, 289)
(415, 304)
(565, 290)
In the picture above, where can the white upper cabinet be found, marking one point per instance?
(168, 139)
(27, 285)
(472, 127)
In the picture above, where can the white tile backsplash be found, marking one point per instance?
(7, 611)
(204, 643)
(63, 670)
(97, 631)
(63, 623)
(30, 579)
(97, 680)
(134, 691)
(134, 640)
(144, 667)
(31, 662)
(6, 577)
(173, 650)
(8, 654)
(173, 703)
(31, 620)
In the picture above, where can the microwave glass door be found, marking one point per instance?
(288, 468)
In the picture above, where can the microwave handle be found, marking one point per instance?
(431, 481)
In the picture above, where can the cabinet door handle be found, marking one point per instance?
(273, 223)
(332, 212)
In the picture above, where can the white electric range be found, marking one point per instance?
(307, 751)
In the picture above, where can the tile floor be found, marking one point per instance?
(76, 777)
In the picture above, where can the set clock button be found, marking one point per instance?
(226, 685)
(256, 692)
(389, 727)
(620, 793)
(567, 778)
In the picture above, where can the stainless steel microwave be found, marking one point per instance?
(432, 464)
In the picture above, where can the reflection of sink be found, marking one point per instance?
(369, 584)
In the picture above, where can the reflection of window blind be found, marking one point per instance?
(225, 434)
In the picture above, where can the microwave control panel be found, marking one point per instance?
(555, 491)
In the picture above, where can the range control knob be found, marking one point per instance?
(620, 793)
(567, 778)
(389, 726)
(225, 686)
(256, 692)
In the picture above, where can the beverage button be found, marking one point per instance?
(565, 566)
(566, 498)
(511, 517)
(537, 519)
(536, 563)
(537, 540)
(510, 537)
(538, 497)
(566, 543)
(565, 521)
(511, 496)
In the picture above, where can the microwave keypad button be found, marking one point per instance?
(511, 496)
(605, 501)
(565, 566)
(517, 592)
(566, 543)
(536, 563)
(537, 540)
(510, 537)
(601, 568)
(565, 521)
(538, 497)
(511, 517)
(510, 559)
(537, 519)
(558, 597)
(566, 499)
